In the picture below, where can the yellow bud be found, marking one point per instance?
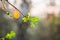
(16, 15)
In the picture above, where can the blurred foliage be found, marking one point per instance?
(2, 38)
(26, 19)
(34, 20)
(11, 35)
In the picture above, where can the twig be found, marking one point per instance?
(4, 8)
(14, 7)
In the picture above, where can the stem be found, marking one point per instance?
(15, 8)
(4, 7)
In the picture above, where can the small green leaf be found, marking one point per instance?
(34, 20)
(8, 36)
(11, 35)
(25, 19)
(32, 25)
(28, 14)
(10, 15)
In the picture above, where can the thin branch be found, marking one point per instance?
(15, 7)
(5, 9)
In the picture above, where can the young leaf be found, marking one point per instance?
(32, 25)
(25, 19)
(11, 35)
(10, 15)
(8, 36)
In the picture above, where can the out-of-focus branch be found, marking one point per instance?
(4, 7)
(12, 6)
(15, 8)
